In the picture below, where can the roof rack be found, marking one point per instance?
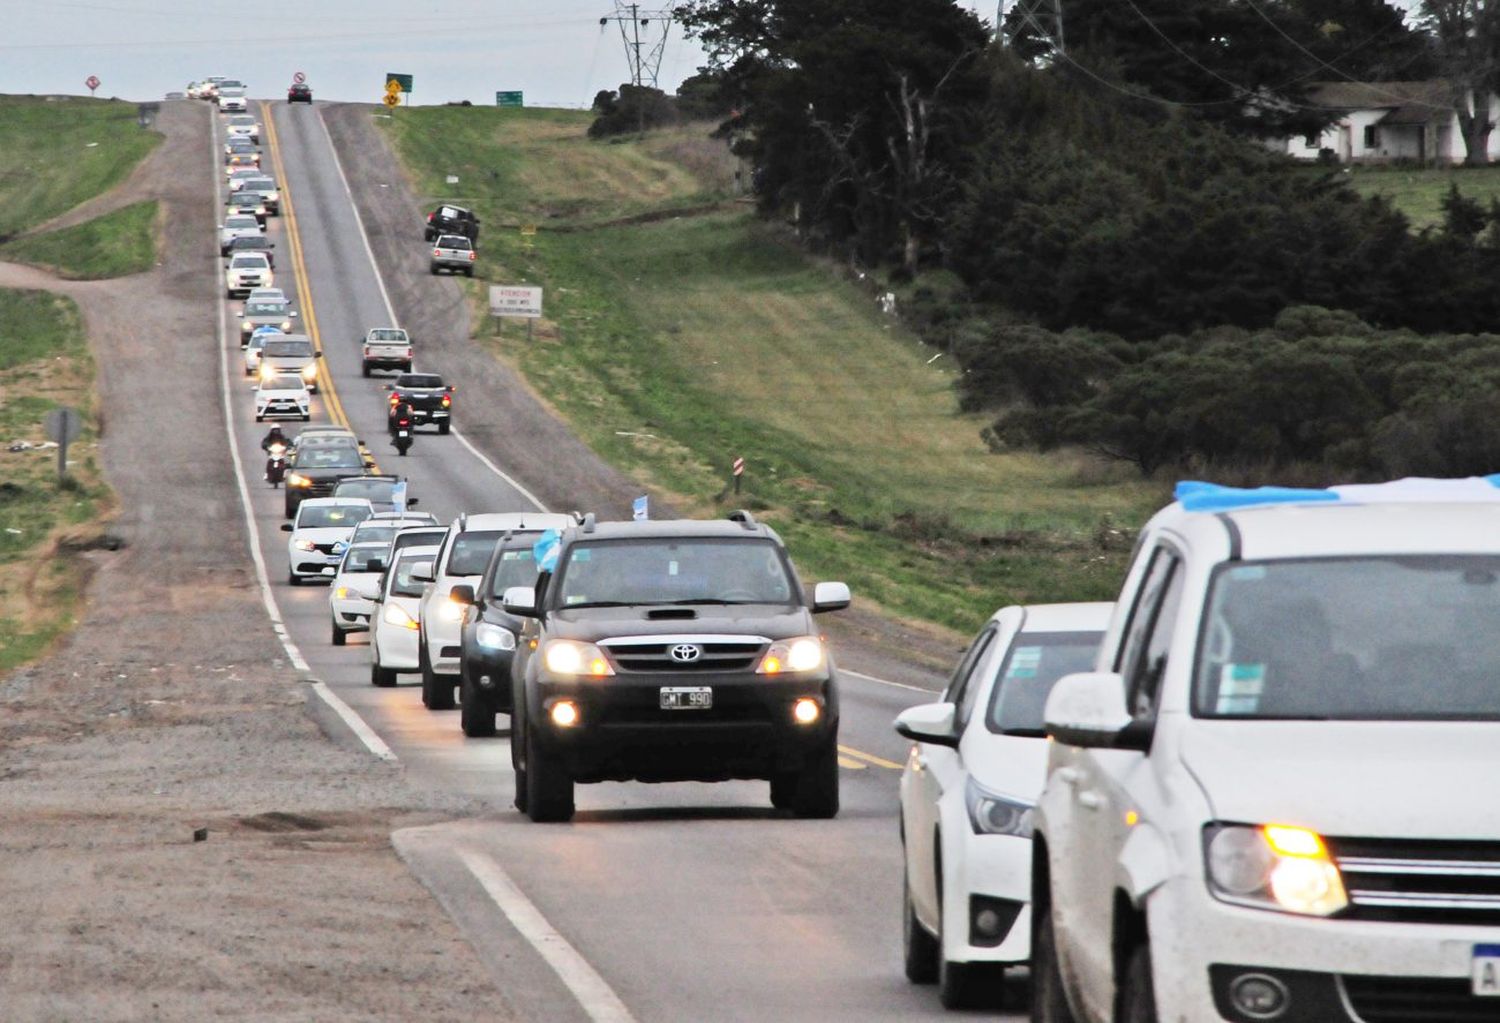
(1196, 496)
(588, 523)
(744, 518)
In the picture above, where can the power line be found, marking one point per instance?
(643, 55)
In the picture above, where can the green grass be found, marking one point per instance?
(675, 345)
(44, 363)
(114, 245)
(1419, 192)
(54, 154)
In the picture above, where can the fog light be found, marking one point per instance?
(565, 714)
(485, 682)
(805, 711)
(987, 923)
(1259, 996)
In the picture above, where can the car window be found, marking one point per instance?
(358, 559)
(370, 490)
(328, 458)
(958, 681)
(402, 584)
(472, 551)
(242, 220)
(330, 516)
(419, 381)
(453, 241)
(1025, 676)
(517, 567)
(289, 349)
(1143, 656)
(674, 571)
(387, 334)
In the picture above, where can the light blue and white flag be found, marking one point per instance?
(398, 496)
(544, 551)
(640, 508)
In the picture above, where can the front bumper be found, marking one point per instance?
(447, 263)
(352, 614)
(395, 646)
(984, 872)
(282, 410)
(443, 639)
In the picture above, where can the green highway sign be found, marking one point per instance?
(402, 80)
(509, 99)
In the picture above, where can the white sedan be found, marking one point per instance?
(393, 631)
(321, 522)
(355, 584)
(283, 396)
(973, 776)
(243, 126)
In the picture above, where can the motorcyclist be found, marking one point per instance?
(275, 437)
(401, 416)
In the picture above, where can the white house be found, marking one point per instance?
(1382, 122)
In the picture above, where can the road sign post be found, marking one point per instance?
(391, 99)
(299, 78)
(520, 300)
(63, 425)
(510, 99)
(92, 81)
(739, 473)
(401, 83)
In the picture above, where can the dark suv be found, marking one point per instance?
(673, 651)
(317, 469)
(448, 219)
(488, 640)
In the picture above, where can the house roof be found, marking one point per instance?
(1405, 102)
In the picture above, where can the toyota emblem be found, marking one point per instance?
(685, 653)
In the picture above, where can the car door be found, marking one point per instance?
(1101, 787)
(931, 771)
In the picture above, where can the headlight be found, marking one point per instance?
(304, 545)
(566, 657)
(309, 371)
(449, 611)
(298, 480)
(395, 614)
(247, 325)
(1273, 867)
(993, 814)
(286, 325)
(267, 371)
(804, 653)
(342, 593)
(494, 637)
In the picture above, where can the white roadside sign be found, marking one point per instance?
(515, 300)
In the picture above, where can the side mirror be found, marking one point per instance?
(1088, 709)
(463, 593)
(421, 572)
(520, 601)
(930, 723)
(317, 355)
(286, 527)
(369, 590)
(385, 387)
(292, 314)
(830, 597)
(411, 502)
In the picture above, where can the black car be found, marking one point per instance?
(673, 651)
(316, 469)
(380, 491)
(489, 634)
(299, 93)
(447, 219)
(251, 243)
(430, 399)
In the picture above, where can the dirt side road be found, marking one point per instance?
(173, 708)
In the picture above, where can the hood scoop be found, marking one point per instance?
(657, 614)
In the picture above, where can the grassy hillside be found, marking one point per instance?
(696, 333)
(44, 363)
(114, 245)
(57, 152)
(1419, 192)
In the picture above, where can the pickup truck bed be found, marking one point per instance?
(431, 400)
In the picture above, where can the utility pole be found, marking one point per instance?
(642, 54)
(1045, 16)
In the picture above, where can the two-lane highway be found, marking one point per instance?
(675, 902)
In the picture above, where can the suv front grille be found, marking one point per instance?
(1408, 999)
(721, 653)
(1420, 881)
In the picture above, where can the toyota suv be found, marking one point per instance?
(673, 651)
(1269, 799)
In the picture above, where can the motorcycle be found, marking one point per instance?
(401, 437)
(275, 464)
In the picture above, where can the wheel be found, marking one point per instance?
(1138, 995)
(919, 949)
(365, 369)
(434, 270)
(476, 710)
(469, 272)
(443, 428)
(437, 690)
(260, 419)
(339, 636)
(292, 579)
(783, 787)
(380, 676)
(401, 452)
(1049, 1002)
(815, 789)
(549, 789)
(306, 417)
(406, 367)
(517, 761)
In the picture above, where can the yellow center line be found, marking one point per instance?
(868, 758)
(853, 765)
(299, 272)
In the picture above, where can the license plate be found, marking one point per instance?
(686, 697)
(1487, 971)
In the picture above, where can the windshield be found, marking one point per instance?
(243, 221)
(330, 516)
(1034, 663)
(516, 568)
(265, 308)
(249, 259)
(358, 559)
(370, 490)
(1353, 639)
(387, 334)
(252, 241)
(453, 241)
(242, 120)
(283, 382)
(261, 184)
(402, 584)
(673, 572)
(289, 349)
(372, 532)
(471, 552)
(330, 457)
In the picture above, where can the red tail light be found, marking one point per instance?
(437, 252)
(447, 401)
(471, 257)
(395, 400)
(408, 353)
(429, 218)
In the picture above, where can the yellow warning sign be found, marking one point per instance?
(392, 87)
(391, 99)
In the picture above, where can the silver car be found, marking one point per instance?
(453, 253)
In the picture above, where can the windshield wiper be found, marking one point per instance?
(709, 600)
(598, 603)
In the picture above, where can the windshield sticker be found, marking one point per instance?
(671, 568)
(1024, 661)
(1248, 573)
(1240, 688)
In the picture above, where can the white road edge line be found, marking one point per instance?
(366, 734)
(390, 310)
(888, 682)
(596, 997)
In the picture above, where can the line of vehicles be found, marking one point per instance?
(1252, 788)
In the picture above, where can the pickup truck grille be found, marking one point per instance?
(1404, 999)
(1420, 881)
(718, 654)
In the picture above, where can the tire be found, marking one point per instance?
(476, 711)
(517, 762)
(919, 949)
(305, 418)
(469, 273)
(339, 636)
(1049, 1002)
(406, 367)
(815, 791)
(549, 788)
(434, 270)
(260, 419)
(380, 676)
(783, 788)
(1138, 992)
(365, 369)
(437, 690)
(443, 428)
(291, 578)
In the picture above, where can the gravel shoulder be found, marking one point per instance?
(172, 708)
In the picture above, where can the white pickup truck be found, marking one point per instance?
(387, 348)
(1271, 798)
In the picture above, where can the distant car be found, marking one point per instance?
(232, 101)
(253, 346)
(293, 353)
(380, 491)
(393, 628)
(237, 225)
(452, 253)
(449, 219)
(240, 161)
(382, 527)
(316, 469)
(270, 192)
(258, 312)
(238, 173)
(266, 295)
(386, 348)
(299, 93)
(319, 524)
(195, 90)
(355, 582)
(415, 536)
(246, 202)
(243, 126)
(487, 642)
(247, 270)
(253, 243)
(282, 396)
(241, 147)
(430, 399)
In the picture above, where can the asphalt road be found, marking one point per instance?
(659, 902)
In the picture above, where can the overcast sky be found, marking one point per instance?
(553, 50)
